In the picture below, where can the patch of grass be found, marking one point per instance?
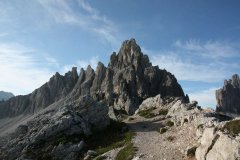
(163, 112)
(147, 113)
(101, 158)
(110, 138)
(233, 127)
(126, 153)
(170, 123)
(170, 138)
(162, 130)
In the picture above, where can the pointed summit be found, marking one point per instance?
(130, 54)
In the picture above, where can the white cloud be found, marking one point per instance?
(92, 21)
(82, 64)
(205, 98)
(21, 69)
(194, 61)
(186, 70)
(209, 49)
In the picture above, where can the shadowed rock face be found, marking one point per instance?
(124, 84)
(228, 97)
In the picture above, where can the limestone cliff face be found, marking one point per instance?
(128, 79)
(228, 97)
(56, 88)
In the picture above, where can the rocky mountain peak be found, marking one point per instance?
(235, 81)
(129, 55)
(123, 85)
(228, 97)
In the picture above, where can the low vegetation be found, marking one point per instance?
(112, 137)
(163, 112)
(147, 113)
(170, 123)
(127, 152)
(233, 127)
(162, 130)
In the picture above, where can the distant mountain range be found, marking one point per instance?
(5, 95)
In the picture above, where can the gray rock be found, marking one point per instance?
(217, 145)
(228, 97)
(5, 95)
(21, 130)
(91, 153)
(56, 88)
(76, 105)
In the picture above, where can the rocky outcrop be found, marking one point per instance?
(56, 88)
(228, 97)
(215, 144)
(5, 95)
(128, 80)
(56, 133)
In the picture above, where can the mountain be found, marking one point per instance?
(126, 110)
(56, 88)
(124, 84)
(79, 105)
(5, 95)
(228, 97)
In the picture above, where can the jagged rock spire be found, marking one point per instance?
(228, 97)
(124, 84)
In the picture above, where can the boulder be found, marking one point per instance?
(216, 144)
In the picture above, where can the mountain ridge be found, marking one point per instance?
(5, 95)
(128, 79)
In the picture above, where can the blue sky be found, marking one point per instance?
(198, 41)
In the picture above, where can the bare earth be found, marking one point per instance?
(152, 145)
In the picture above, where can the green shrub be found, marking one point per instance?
(101, 158)
(110, 138)
(170, 123)
(162, 130)
(126, 153)
(147, 113)
(163, 112)
(233, 127)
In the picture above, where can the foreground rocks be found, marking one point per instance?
(217, 144)
(200, 133)
(57, 133)
(228, 97)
